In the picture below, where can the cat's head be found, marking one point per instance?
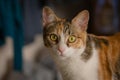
(64, 38)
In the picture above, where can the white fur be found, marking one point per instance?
(78, 69)
(90, 71)
(6, 53)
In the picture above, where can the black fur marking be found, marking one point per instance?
(99, 41)
(66, 28)
(104, 41)
(48, 29)
(88, 51)
(46, 42)
(116, 76)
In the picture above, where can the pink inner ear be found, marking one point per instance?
(45, 17)
(48, 16)
(82, 24)
(81, 20)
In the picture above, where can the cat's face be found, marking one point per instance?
(65, 39)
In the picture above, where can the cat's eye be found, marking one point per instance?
(72, 39)
(53, 37)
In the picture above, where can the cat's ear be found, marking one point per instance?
(48, 16)
(81, 20)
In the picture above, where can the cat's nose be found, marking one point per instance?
(61, 49)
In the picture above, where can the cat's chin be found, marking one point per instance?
(62, 57)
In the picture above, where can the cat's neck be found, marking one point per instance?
(69, 67)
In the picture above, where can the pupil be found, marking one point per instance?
(54, 37)
(72, 38)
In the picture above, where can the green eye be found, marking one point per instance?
(53, 37)
(72, 39)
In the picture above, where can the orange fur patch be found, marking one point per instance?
(108, 57)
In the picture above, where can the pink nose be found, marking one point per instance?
(61, 49)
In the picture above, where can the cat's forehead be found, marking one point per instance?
(59, 26)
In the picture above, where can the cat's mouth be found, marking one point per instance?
(61, 54)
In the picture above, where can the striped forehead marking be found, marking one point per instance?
(59, 27)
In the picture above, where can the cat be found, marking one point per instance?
(77, 54)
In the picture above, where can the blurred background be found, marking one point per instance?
(22, 53)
